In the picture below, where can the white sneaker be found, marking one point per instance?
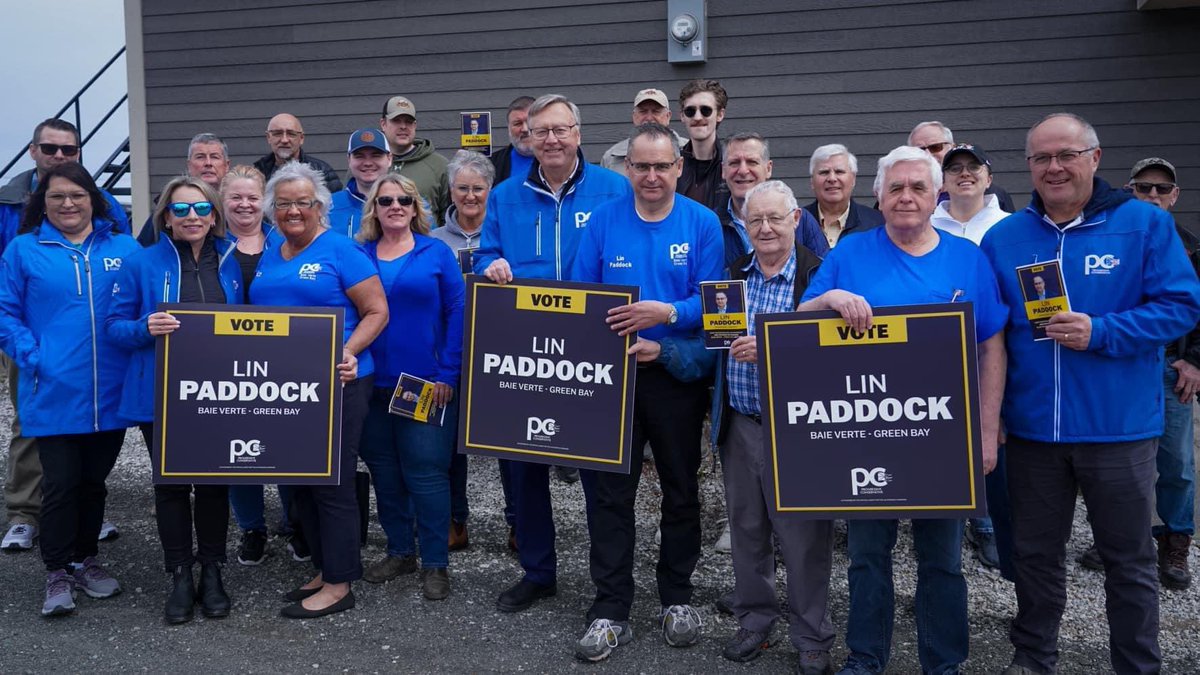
(108, 532)
(20, 537)
(723, 544)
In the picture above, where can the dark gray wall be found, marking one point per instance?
(804, 73)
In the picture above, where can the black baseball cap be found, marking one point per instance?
(966, 148)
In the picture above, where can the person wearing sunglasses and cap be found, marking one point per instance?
(702, 107)
(937, 139)
(55, 142)
(191, 262)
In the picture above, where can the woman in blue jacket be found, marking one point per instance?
(410, 460)
(55, 290)
(191, 262)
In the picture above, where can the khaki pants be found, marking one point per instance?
(23, 485)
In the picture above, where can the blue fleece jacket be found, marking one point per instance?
(425, 293)
(54, 298)
(147, 277)
(12, 207)
(345, 213)
(1124, 267)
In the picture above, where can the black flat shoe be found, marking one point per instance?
(210, 592)
(301, 593)
(297, 610)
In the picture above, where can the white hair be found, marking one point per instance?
(293, 172)
(946, 133)
(772, 186)
(907, 153)
(470, 160)
(832, 150)
(547, 100)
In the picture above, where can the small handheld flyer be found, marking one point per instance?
(413, 399)
(723, 306)
(1045, 294)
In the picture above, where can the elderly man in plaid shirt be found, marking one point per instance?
(776, 274)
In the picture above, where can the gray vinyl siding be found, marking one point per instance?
(805, 73)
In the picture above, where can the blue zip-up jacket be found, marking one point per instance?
(345, 214)
(148, 277)
(54, 298)
(425, 315)
(538, 233)
(1124, 267)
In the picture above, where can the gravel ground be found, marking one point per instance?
(394, 630)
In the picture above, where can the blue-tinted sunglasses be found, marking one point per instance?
(180, 209)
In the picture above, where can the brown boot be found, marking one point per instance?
(1173, 552)
(458, 536)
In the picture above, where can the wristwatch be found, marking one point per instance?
(673, 316)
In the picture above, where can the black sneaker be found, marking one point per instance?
(254, 548)
(298, 547)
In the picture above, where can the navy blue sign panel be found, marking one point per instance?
(877, 425)
(249, 395)
(544, 378)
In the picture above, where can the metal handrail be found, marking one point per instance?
(74, 102)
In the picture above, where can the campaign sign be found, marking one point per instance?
(477, 132)
(248, 395)
(877, 425)
(544, 378)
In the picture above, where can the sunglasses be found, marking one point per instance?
(402, 200)
(1145, 188)
(180, 209)
(933, 148)
(704, 110)
(53, 148)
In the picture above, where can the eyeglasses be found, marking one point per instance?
(300, 204)
(704, 110)
(280, 133)
(956, 169)
(59, 197)
(53, 149)
(180, 209)
(1065, 157)
(645, 167)
(934, 148)
(561, 133)
(465, 190)
(1145, 188)
(402, 200)
(775, 221)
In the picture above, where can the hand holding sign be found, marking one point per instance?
(499, 272)
(348, 368)
(646, 351)
(161, 323)
(853, 308)
(638, 316)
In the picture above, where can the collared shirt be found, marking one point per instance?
(762, 295)
(833, 228)
(739, 227)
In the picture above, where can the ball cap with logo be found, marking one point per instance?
(367, 138)
(1153, 163)
(655, 95)
(397, 106)
(966, 149)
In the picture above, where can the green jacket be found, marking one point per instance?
(427, 169)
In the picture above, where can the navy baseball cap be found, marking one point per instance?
(966, 148)
(367, 138)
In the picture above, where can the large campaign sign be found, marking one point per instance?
(544, 378)
(882, 424)
(249, 395)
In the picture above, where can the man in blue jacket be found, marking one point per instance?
(532, 229)
(54, 142)
(1084, 408)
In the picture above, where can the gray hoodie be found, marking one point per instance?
(452, 234)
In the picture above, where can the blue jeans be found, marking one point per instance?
(942, 627)
(249, 509)
(1175, 490)
(410, 467)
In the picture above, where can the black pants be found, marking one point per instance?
(176, 515)
(74, 468)
(669, 414)
(1117, 481)
(329, 513)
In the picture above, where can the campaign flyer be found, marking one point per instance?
(466, 259)
(724, 312)
(1045, 294)
(413, 399)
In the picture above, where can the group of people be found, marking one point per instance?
(1082, 411)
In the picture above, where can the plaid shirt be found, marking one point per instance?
(767, 296)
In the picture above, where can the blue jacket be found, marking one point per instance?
(345, 213)
(148, 277)
(537, 233)
(425, 316)
(808, 235)
(12, 207)
(54, 297)
(1124, 266)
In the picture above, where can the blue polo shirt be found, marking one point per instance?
(317, 277)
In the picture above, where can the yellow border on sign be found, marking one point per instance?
(162, 461)
(969, 400)
(542, 453)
